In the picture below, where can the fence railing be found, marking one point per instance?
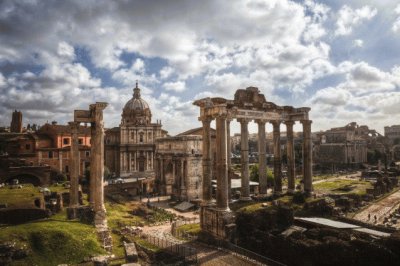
(180, 233)
(188, 254)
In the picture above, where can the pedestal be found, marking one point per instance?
(218, 224)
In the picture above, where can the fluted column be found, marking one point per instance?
(207, 164)
(221, 157)
(291, 175)
(277, 158)
(244, 144)
(261, 159)
(307, 156)
(74, 166)
(229, 151)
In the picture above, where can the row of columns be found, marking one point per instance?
(223, 158)
(130, 161)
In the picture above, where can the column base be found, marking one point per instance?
(245, 199)
(100, 218)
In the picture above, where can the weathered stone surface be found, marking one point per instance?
(131, 254)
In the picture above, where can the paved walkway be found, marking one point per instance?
(381, 209)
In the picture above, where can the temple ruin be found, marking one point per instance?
(248, 105)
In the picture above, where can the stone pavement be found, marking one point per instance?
(381, 209)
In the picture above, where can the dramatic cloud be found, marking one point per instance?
(349, 18)
(56, 56)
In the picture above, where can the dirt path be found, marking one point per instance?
(381, 209)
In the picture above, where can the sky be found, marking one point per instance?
(340, 58)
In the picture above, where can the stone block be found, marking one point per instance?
(131, 254)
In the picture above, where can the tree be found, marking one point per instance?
(254, 175)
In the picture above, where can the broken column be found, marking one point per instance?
(98, 166)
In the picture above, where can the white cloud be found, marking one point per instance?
(177, 86)
(358, 43)
(349, 18)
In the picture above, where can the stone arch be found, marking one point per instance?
(25, 178)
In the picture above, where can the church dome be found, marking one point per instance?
(136, 111)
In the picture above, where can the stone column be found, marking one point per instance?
(244, 144)
(74, 166)
(222, 170)
(291, 174)
(261, 158)
(97, 114)
(162, 180)
(277, 158)
(130, 162)
(307, 156)
(182, 180)
(207, 164)
(229, 151)
(93, 170)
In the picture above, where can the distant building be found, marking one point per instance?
(344, 146)
(393, 133)
(48, 146)
(16, 122)
(130, 148)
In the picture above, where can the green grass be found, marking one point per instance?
(190, 229)
(20, 197)
(51, 242)
(251, 208)
(24, 197)
(343, 186)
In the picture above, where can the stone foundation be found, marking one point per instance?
(219, 224)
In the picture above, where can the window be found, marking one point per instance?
(80, 141)
(66, 141)
(27, 146)
(50, 154)
(87, 153)
(66, 169)
(141, 137)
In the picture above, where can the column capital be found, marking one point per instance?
(276, 124)
(74, 125)
(243, 120)
(206, 119)
(289, 122)
(306, 122)
(261, 121)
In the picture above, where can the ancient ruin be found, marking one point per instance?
(249, 104)
(94, 116)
